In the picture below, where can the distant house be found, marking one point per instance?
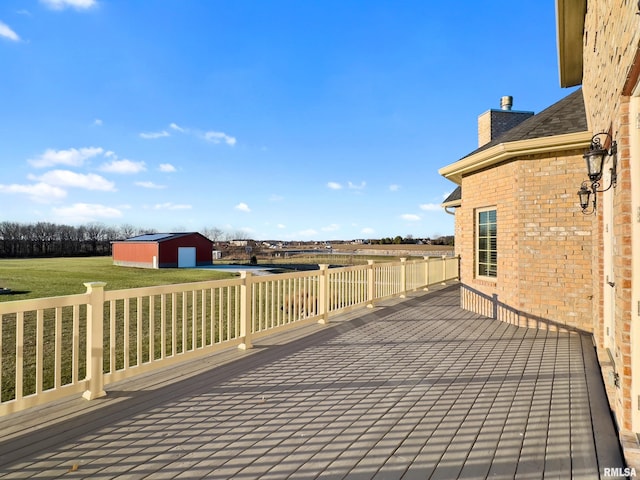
(164, 250)
(238, 243)
(520, 233)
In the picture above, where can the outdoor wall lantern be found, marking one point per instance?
(595, 162)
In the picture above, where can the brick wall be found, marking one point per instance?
(544, 240)
(555, 241)
(611, 41)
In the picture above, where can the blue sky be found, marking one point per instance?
(281, 119)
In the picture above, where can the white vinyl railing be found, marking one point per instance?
(77, 344)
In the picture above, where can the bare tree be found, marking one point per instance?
(127, 231)
(214, 234)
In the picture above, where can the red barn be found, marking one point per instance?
(164, 250)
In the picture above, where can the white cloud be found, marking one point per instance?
(67, 178)
(331, 228)
(276, 198)
(219, 137)
(154, 135)
(97, 122)
(86, 212)
(123, 166)
(353, 186)
(394, 187)
(167, 168)
(175, 126)
(367, 231)
(281, 225)
(7, 32)
(72, 157)
(310, 232)
(243, 207)
(150, 185)
(24, 12)
(62, 4)
(171, 206)
(430, 207)
(39, 192)
(334, 185)
(410, 217)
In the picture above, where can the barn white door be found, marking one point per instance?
(186, 257)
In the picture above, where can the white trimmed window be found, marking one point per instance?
(486, 243)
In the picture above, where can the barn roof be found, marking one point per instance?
(159, 237)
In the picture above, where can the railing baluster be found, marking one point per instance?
(174, 324)
(57, 349)
(139, 331)
(39, 350)
(152, 328)
(163, 325)
(19, 355)
(75, 348)
(203, 318)
(183, 321)
(214, 326)
(112, 336)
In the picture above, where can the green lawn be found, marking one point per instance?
(52, 277)
(38, 278)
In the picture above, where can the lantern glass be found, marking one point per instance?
(595, 162)
(584, 193)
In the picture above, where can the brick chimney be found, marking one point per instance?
(493, 123)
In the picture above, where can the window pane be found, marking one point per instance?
(487, 243)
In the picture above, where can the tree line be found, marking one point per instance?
(409, 239)
(46, 239)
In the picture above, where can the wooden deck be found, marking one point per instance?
(409, 390)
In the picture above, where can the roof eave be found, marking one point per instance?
(452, 204)
(570, 30)
(506, 151)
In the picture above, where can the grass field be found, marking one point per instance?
(39, 278)
(52, 277)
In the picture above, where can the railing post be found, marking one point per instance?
(245, 311)
(426, 274)
(323, 294)
(403, 278)
(95, 348)
(370, 283)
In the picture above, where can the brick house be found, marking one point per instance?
(599, 48)
(525, 245)
(530, 255)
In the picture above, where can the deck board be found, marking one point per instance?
(411, 389)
